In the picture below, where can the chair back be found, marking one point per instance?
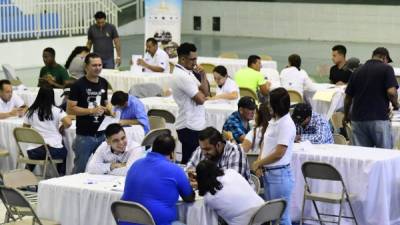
(156, 122)
(247, 92)
(295, 97)
(131, 212)
(144, 90)
(168, 116)
(257, 183)
(9, 72)
(152, 135)
(229, 55)
(270, 211)
(208, 67)
(12, 199)
(320, 171)
(339, 139)
(266, 57)
(171, 67)
(19, 178)
(28, 135)
(337, 119)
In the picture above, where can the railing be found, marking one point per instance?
(29, 19)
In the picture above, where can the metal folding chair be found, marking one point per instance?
(132, 212)
(270, 211)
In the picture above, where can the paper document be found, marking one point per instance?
(325, 95)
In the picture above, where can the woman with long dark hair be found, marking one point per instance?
(254, 138)
(227, 193)
(47, 119)
(75, 63)
(276, 152)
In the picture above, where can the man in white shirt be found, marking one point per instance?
(115, 155)
(189, 89)
(155, 59)
(10, 105)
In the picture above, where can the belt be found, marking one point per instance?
(264, 169)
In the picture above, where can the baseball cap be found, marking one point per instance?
(247, 102)
(301, 112)
(384, 52)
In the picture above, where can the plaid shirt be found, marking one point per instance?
(233, 157)
(234, 124)
(317, 131)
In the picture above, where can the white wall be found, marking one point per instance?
(28, 54)
(337, 22)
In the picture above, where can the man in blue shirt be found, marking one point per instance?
(311, 126)
(132, 110)
(238, 122)
(156, 182)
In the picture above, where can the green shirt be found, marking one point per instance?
(249, 78)
(58, 72)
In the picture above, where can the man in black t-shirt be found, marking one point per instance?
(337, 74)
(88, 101)
(369, 91)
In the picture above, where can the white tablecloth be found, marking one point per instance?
(7, 141)
(216, 113)
(84, 199)
(369, 173)
(326, 108)
(30, 94)
(123, 80)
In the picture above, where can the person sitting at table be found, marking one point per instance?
(227, 193)
(226, 154)
(156, 182)
(131, 109)
(254, 138)
(155, 59)
(52, 73)
(311, 126)
(10, 103)
(337, 74)
(227, 90)
(295, 78)
(115, 155)
(238, 121)
(76, 62)
(45, 117)
(251, 77)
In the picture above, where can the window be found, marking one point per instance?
(216, 25)
(197, 23)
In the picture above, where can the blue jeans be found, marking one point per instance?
(108, 63)
(374, 133)
(39, 153)
(279, 183)
(83, 147)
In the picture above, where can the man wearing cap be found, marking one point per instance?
(238, 122)
(311, 126)
(368, 93)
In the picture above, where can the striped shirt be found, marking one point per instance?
(103, 157)
(233, 157)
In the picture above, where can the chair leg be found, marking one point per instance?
(302, 210)
(44, 170)
(340, 212)
(316, 210)
(54, 167)
(352, 211)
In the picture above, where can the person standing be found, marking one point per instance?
(189, 89)
(88, 101)
(101, 36)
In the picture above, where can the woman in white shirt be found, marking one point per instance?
(254, 138)
(226, 90)
(45, 117)
(295, 78)
(227, 193)
(276, 154)
(76, 62)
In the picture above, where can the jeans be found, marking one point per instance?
(83, 147)
(190, 141)
(108, 63)
(374, 133)
(39, 153)
(279, 183)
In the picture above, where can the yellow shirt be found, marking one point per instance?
(249, 78)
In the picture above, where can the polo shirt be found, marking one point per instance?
(298, 80)
(59, 73)
(249, 78)
(336, 75)
(135, 110)
(156, 183)
(368, 87)
(160, 59)
(15, 102)
(184, 87)
(102, 39)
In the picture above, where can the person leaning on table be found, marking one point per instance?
(276, 154)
